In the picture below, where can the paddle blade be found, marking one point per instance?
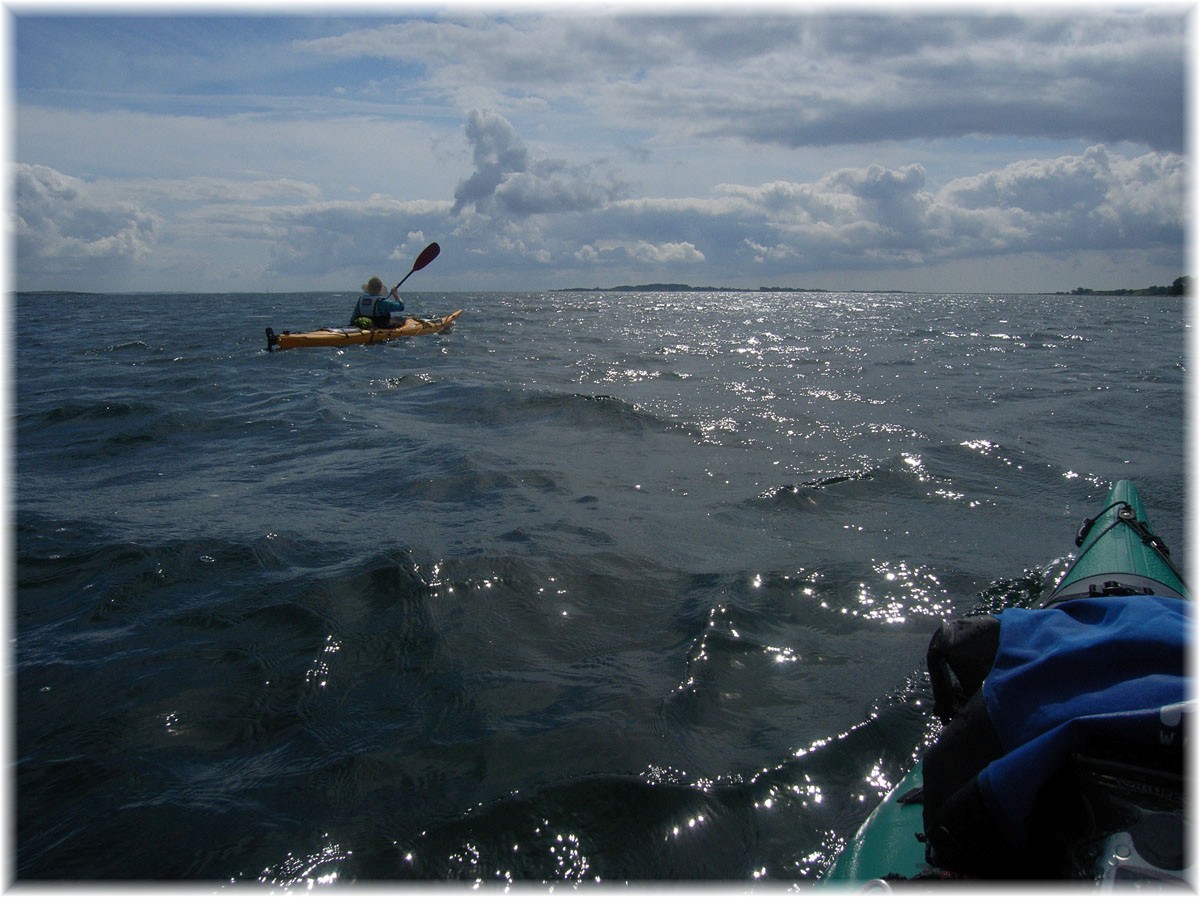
(428, 254)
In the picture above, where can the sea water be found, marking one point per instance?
(596, 586)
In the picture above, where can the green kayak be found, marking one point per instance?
(1117, 549)
(1118, 555)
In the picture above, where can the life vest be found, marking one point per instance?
(367, 307)
(1031, 698)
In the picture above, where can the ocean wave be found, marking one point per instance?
(504, 408)
(75, 410)
(638, 612)
(135, 346)
(684, 832)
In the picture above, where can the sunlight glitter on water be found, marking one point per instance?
(304, 871)
(319, 672)
(594, 515)
(905, 590)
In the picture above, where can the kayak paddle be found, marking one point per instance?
(428, 254)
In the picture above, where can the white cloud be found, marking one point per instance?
(408, 251)
(818, 80)
(872, 217)
(537, 148)
(498, 153)
(1092, 201)
(1095, 200)
(60, 227)
(510, 181)
(682, 253)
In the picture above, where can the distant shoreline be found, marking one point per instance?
(1179, 288)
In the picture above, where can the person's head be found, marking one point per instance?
(374, 286)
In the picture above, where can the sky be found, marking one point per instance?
(948, 149)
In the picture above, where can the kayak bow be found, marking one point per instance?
(1118, 555)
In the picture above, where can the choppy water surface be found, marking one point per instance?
(594, 587)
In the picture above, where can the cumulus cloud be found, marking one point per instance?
(681, 253)
(1096, 200)
(869, 217)
(186, 172)
(880, 217)
(516, 209)
(877, 215)
(509, 180)
(498, 153)
(413, 243)
(61, 228)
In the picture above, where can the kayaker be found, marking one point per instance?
(378, 309)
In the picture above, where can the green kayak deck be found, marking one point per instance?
(1118, 547)
(886, 844)
(1117, 554)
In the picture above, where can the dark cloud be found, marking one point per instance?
(829, 122)
(825, 79)
(854, 80)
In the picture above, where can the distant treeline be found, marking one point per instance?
(1181, 287)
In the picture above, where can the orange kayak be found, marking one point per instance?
(349, 336)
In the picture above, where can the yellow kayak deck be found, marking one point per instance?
(350, 336)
